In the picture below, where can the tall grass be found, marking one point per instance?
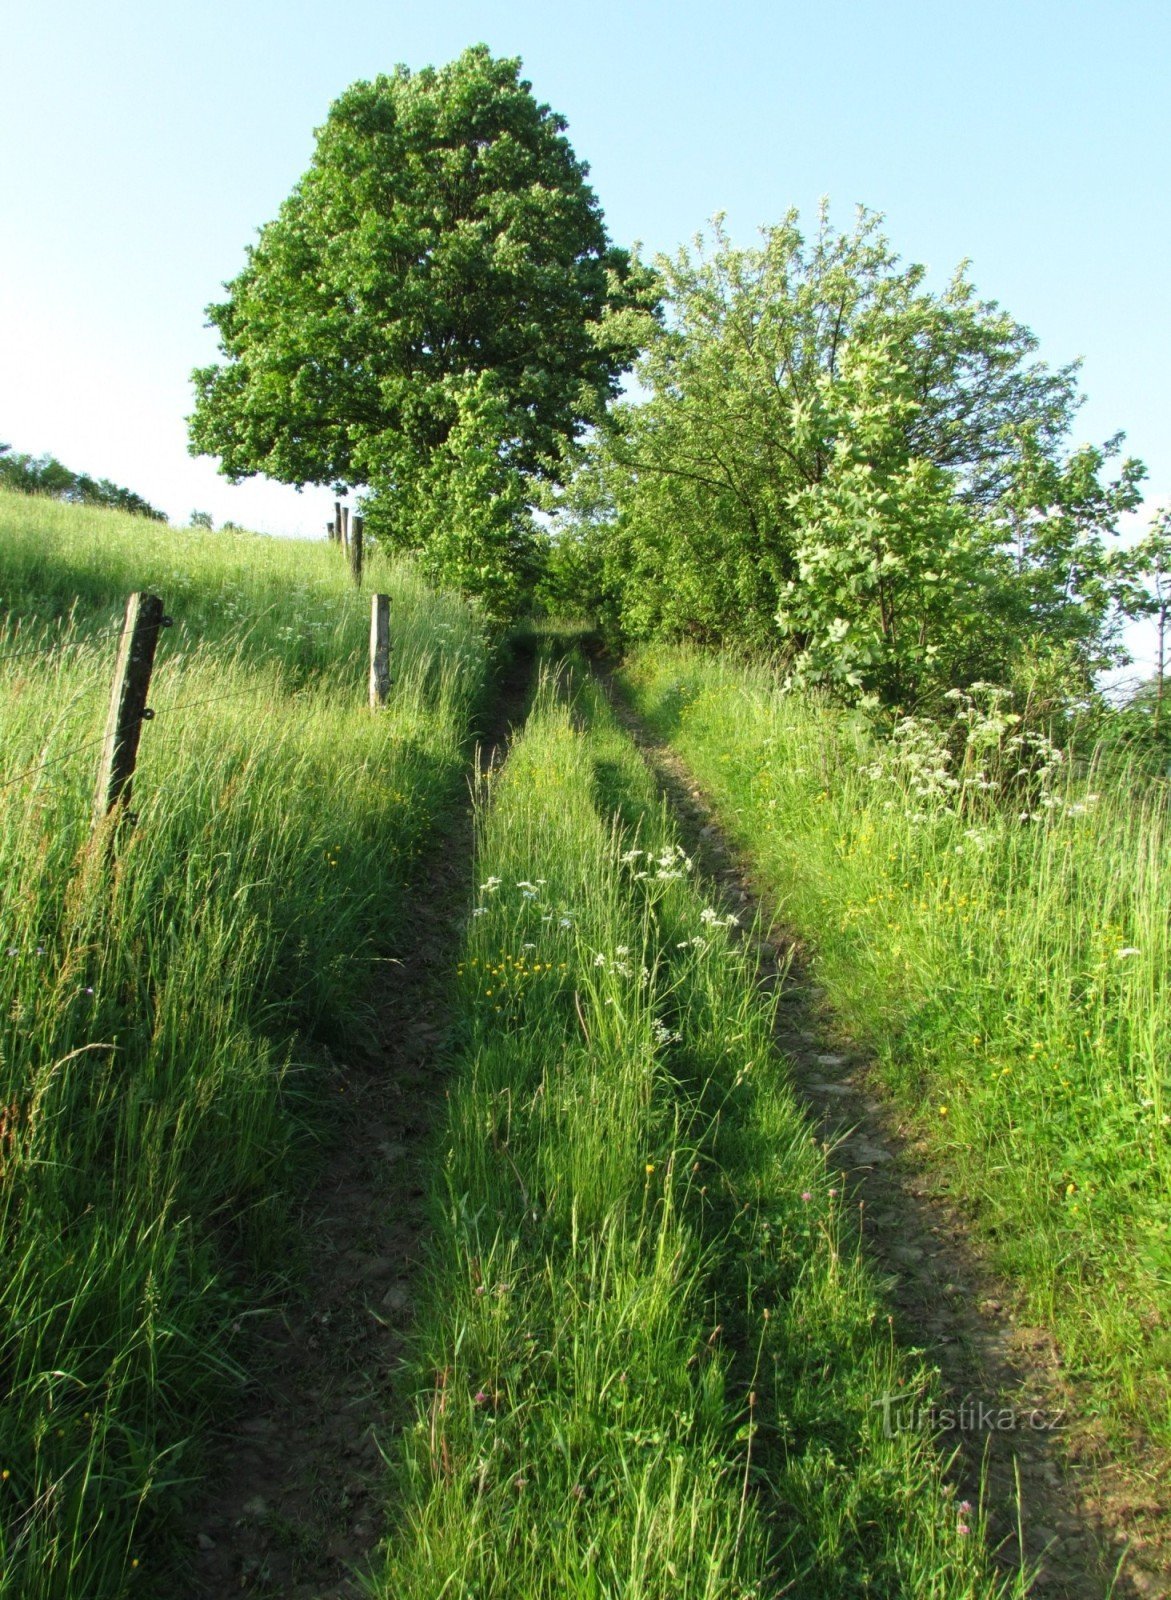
(1012, 976)
(649, 1357)
(160, 1013)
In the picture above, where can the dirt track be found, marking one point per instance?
(298, 1500)
(1090, 1528)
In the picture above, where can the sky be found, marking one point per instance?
(144, 144)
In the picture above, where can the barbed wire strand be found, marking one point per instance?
(44, 651)
(88, 744)
(209, 700)
(53, 761)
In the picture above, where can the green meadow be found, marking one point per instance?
(1006, 960)
(163, 1010)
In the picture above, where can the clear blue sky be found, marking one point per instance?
(144, 144)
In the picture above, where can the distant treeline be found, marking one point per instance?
(47, 475)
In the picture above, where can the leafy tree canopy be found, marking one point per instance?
(47, 475)
(835, 462)
(439, 283)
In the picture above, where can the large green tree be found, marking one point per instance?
(831, 460)
(436, 306)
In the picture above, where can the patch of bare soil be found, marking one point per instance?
(1089, 1527)
(297, 1503)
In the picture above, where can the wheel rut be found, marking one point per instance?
(1006, 1413)
(299, 1499)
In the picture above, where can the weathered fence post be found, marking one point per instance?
(330, 531)
(128, 708)
(379, 649)
(346, 528)
(337, 523)
(356, 551)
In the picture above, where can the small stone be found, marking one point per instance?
(396, 1298)
(256, 1507)
(869, 1155)
(830, 1061)
(205, 1541)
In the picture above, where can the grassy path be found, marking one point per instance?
(298, 1501)
(1025, 1285)
(168, 1019)
(648, 1353)
(947, 1297)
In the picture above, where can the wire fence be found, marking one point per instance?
(41, 651)
(131, 682)
(53, 761)
(149, 716)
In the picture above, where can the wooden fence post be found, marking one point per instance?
(379, 649)
(356, 551)
(337, 521)
(128, 708)
(346, 528)
(329, 531)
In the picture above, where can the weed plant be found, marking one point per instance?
(162, 1006)
(1007, 959)
(649, 1356)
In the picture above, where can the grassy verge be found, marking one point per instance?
(158, 1018)
(1012, 978)
(649, 1359)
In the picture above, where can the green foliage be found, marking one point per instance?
(1058, 580)
(887, 579)
(834, 462)
(464, 508)
(438, 289)
(46, 475)
(1151, 568)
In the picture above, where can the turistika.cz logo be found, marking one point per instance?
(905, 1414)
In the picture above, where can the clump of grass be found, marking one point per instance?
(649, 1357)
(1011, 972)
(160, 1013)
